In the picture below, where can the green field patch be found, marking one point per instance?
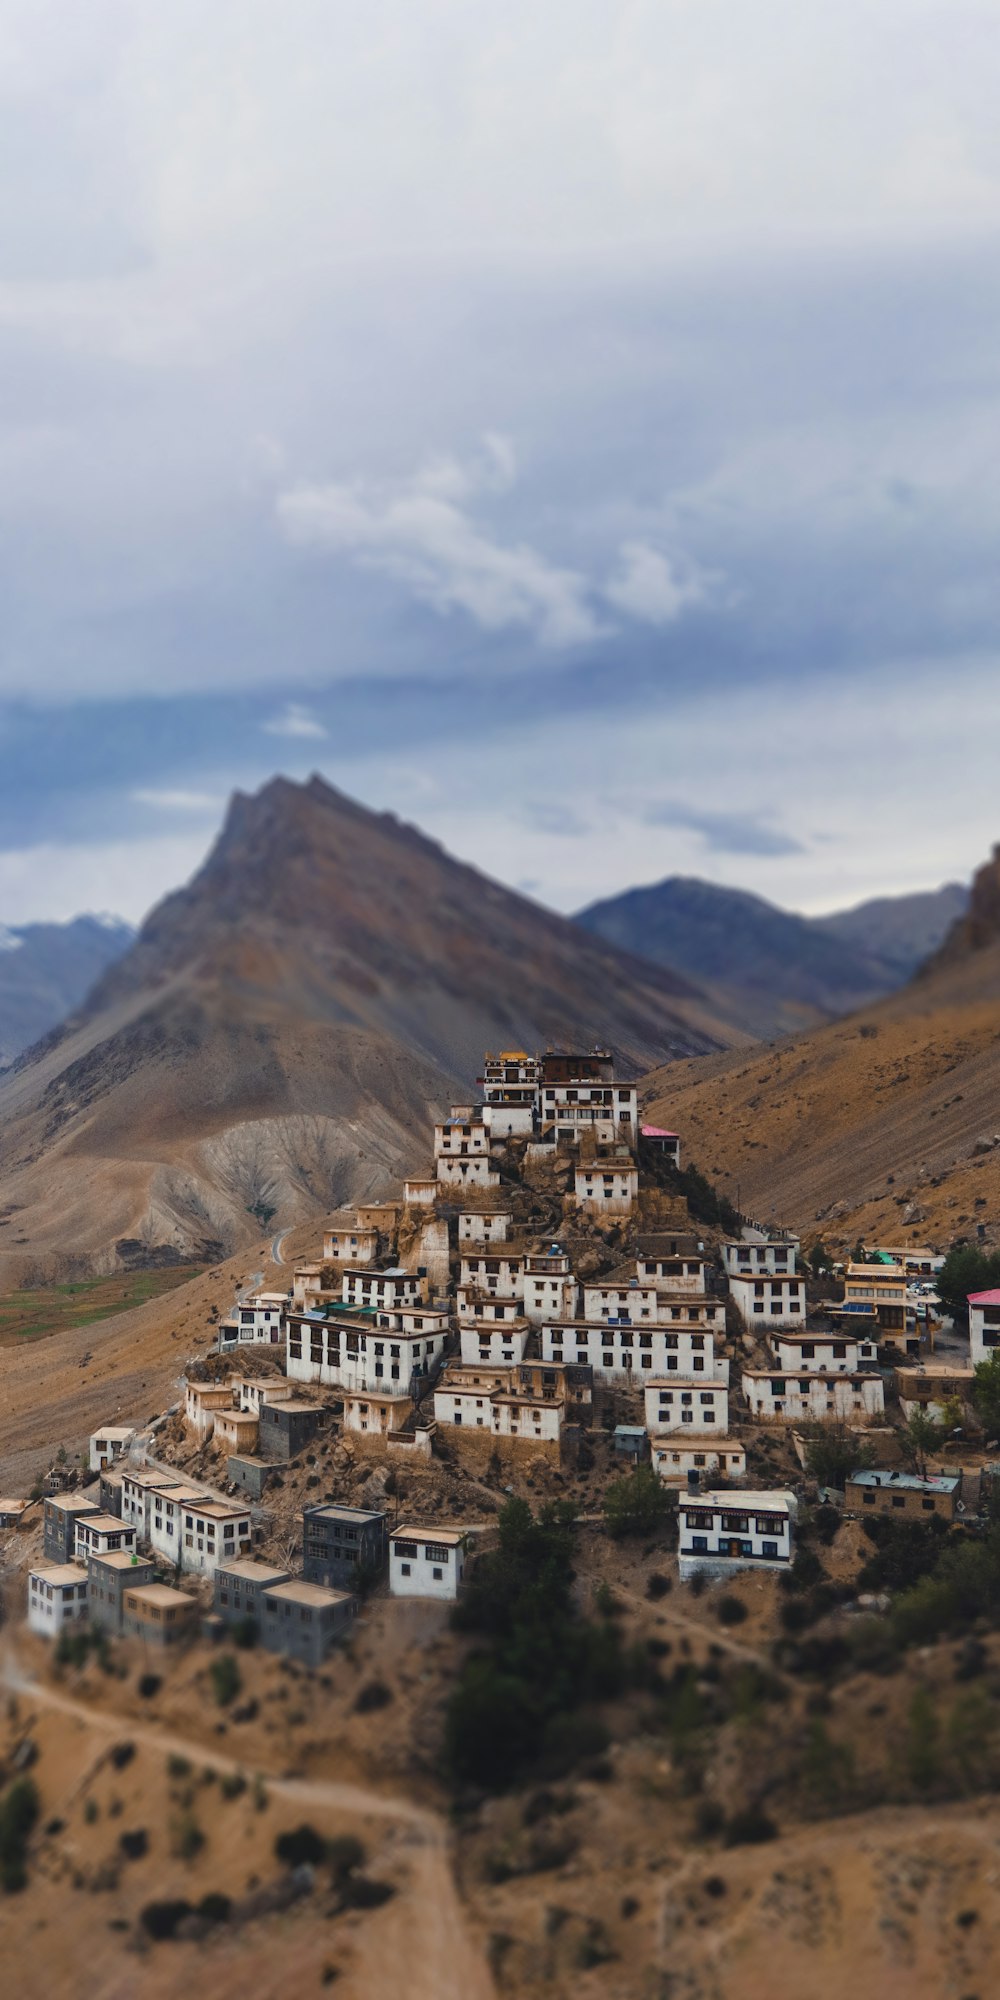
(48, 1309)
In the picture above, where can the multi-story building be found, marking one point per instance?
(687, 1404)
(680, 1464)
(509, 1087)
(109, 1444)
(776, 1300)
(903, 1493)
(57, 1597)
(550, 1289)
(395, 1351)
(619, 1351)
(238, 1588)
(214, 1532)
(774, 1258)
(606, 1185)
(490, 1339)
(984, 1325)
(721, 1532)
(101, 1535)
(784, 1398)
(339, 1542)
(304, 1621)
(484, 1225)
(159, 1615)
(108, 1578)
(60, 1515)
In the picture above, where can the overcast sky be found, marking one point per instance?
(572, 425)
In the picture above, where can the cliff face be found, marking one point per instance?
(979, 927)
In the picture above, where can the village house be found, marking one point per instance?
(109, 1444)
(777, 1300)
(666, 1143)
(370, 1350)
(60, 1514)
(755, 1259)
(250, 1392)
(484, 1225)
(238, 1587)
(256, 1321)
(201, 1400)
(509, 1085)
(619, 1297)
(631, 1442)
(388, 1290)
(720, 1532)
(344, 1242)
(236, 1430)
(878, 1292)
(138, 1490)
(315, 1284)
(164, 1513)
(688, 1405)
(606, 1187)
(817, 1351)
(461, 1137)
(496, 1402)
(686, 1465)
(463, 1171)
(550, 1289)
(618, 1350)
(929, 1385)
(57, 1597)
(304, 1621)
(420, 1193)
(214, 1532)
(159, 1615)
(783, 1398)
(495, 1272)
(984, 1326)
(101, 1535)
(339, 1542)
(375, 1415)
(577, 1093)
(493, 1339)
(12, 1512)
(426, 1562)
(108, 1577)
(905, 1494)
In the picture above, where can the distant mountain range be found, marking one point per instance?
(282, 1032)
(767, 969)
(46, 970)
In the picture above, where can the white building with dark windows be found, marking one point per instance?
(820, 1398)
(621, 1352)
(720, 1532)
(777, 1300)
(679, 1463)
(550, 1289)
(775, 1258)
(426, 1562)
(688, 1404)
(57, 1597)
(392, 1352)
(984, 1325)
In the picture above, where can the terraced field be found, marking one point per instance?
(48, 1309)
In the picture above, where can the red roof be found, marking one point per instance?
(657, 1132)
(984, 1298)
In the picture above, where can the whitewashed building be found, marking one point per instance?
(550, 1289)
(493, 1272)
(345, 1242)
(777, 1300)
(618, 1351)
(461, 1137)
(103, 1534)
(818, 1352)
(426, 1562)
(775, 1258)
(372, 1414)
(110, 1444)
(473, 1172)
(719, 1533)
(676, 1463)
(774, 1398)
(602, 1188)
(690, 1405)
(57, 1597)
(484, 1225)
(215, 1531)
(984, 1325)
(490, 1340)
(388, 1352)
(384, 1291)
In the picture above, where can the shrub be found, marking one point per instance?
(19, 1811)
(226, 1679)
(134, 1845)
(749, 1827)
(731, 1611)
(345, 1853)
(215, 1907)
(186, 1837)
(372, 1696)
(231, 1784)
(160, 1920)
(658, 1585)
(121, 1754)
(301, 1845)
(361, 1892)
(148, 1686)
(178, 1767)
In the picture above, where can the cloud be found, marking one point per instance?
(421, 533)
(727, 833)
(295, 721)
(651, 588)
(176, 801)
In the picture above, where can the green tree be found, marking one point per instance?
(918, 1437)
(18, 1812)
(820, 1260)
(226, 1679)
(986, 1393)
(636, 1504)
(833, 1452)
(965, 1270)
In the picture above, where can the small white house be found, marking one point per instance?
(345, 1242)
(778, 1300)
(675, 1462)
(984, 1325)
(484, 1225)
(461, 1138)
(215, 1531)
(382, 1290)
(758, 1260)
(808, 1353)
(108, 1444)
(605, 1190)
(787, 1399)
(103, 1534)
(691, 1405)
(57, 1596)
(719, 1533)
(426, 1562)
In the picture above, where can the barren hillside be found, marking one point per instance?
(284, 1029)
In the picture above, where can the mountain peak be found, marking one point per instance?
(979, 926)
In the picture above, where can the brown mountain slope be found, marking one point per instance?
(285, 1027)
(883, 1124)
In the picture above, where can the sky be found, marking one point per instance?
(572, 426)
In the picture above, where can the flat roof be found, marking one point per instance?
(115, 1431)
(72, 1503)
(112, 1521)
(252, 1572)
(298, 1592)
(122, 1559)
(220, 1510)
(163, 1593)
(944, 1482)
(744, 1499)
(59, 1572)
(333, 1510)
(450, 1536)
(13, 1506)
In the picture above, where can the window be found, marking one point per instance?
(769, 1549)
(927, 1505)
(898, 1500)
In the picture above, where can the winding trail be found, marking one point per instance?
(446, 1963)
